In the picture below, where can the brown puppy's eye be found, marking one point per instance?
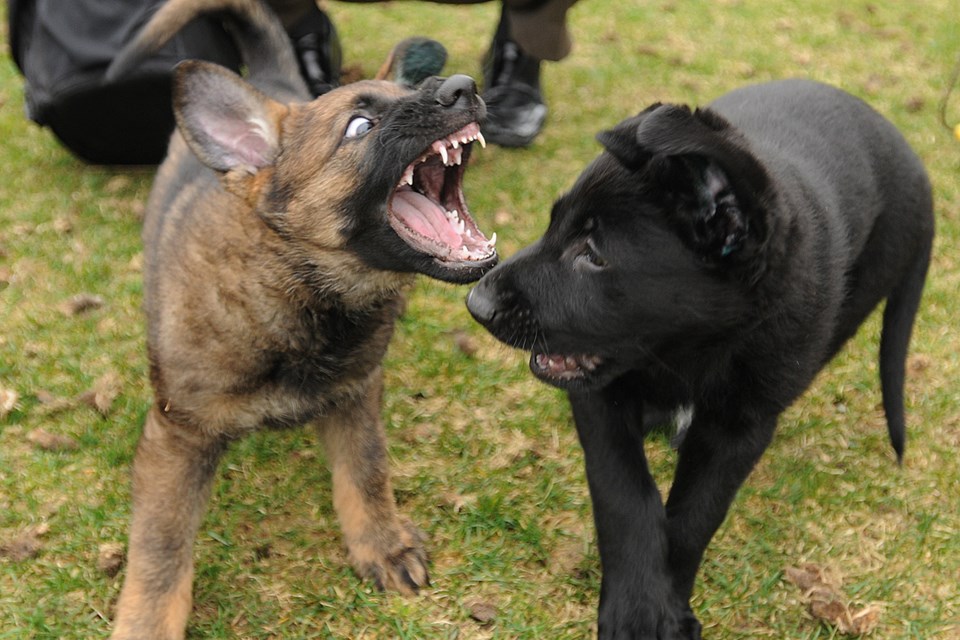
(358, 126)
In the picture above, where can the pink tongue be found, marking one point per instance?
(424, 216)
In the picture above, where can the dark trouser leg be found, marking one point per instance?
(315, 42)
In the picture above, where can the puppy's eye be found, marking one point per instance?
(590, 256)
(358, 126)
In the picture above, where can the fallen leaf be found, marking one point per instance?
(26, 544)
(116, 184)
(466, 344)
(846, 619)
(105, 390)
(420, 433)
(457, 501)
(822, 590)
(914, 104)
(919, 362)
(481, 611)
(47, 441)
(62, 225)
(45, 397)
(81, 303)
(811, 575)
(111, 558)
(8, 401)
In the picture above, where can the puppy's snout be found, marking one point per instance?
(457, 92)
(482, 303)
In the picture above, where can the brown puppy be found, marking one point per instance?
(279, 238)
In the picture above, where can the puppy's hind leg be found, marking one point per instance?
(898, 317)
(172, 474)
(382, 545)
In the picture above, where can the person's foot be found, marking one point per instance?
(515, 107)
(318, 51)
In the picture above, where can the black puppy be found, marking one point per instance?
(717, 259)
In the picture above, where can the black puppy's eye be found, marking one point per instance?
(358, 126)
(590, 255)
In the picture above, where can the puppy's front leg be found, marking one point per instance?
(637, 600)
(382, 545)
(172, 474)
(717, 455)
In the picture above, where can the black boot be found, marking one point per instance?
(515, 106)
(317, 48)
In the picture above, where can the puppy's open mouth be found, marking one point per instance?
(563, 369)
(428, 209)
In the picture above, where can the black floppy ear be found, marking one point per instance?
(717, 190)
(702, 203)
(622, 142)
(227, 123)
(719, 224)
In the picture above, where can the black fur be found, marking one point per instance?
(717, 259)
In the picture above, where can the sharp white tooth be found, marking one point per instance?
(443, 153)
(461, 226)
(469, 234)
(483, 143)
(455, 143)
(493, 239)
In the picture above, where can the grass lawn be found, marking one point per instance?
(485, 458)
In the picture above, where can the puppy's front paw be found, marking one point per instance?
(647, 621)
(394, 559)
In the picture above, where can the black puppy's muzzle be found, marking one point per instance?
(482, 302)
(501, 301)
(497, 305)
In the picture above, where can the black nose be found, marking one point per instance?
(481, 304)
(458, 92)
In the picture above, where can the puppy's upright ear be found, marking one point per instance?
(227, 123)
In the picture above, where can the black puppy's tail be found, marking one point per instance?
(263, 43)
(898, 317)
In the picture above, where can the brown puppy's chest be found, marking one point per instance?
(239, 337)
(285, 375)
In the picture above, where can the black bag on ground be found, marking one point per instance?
(63, 50)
